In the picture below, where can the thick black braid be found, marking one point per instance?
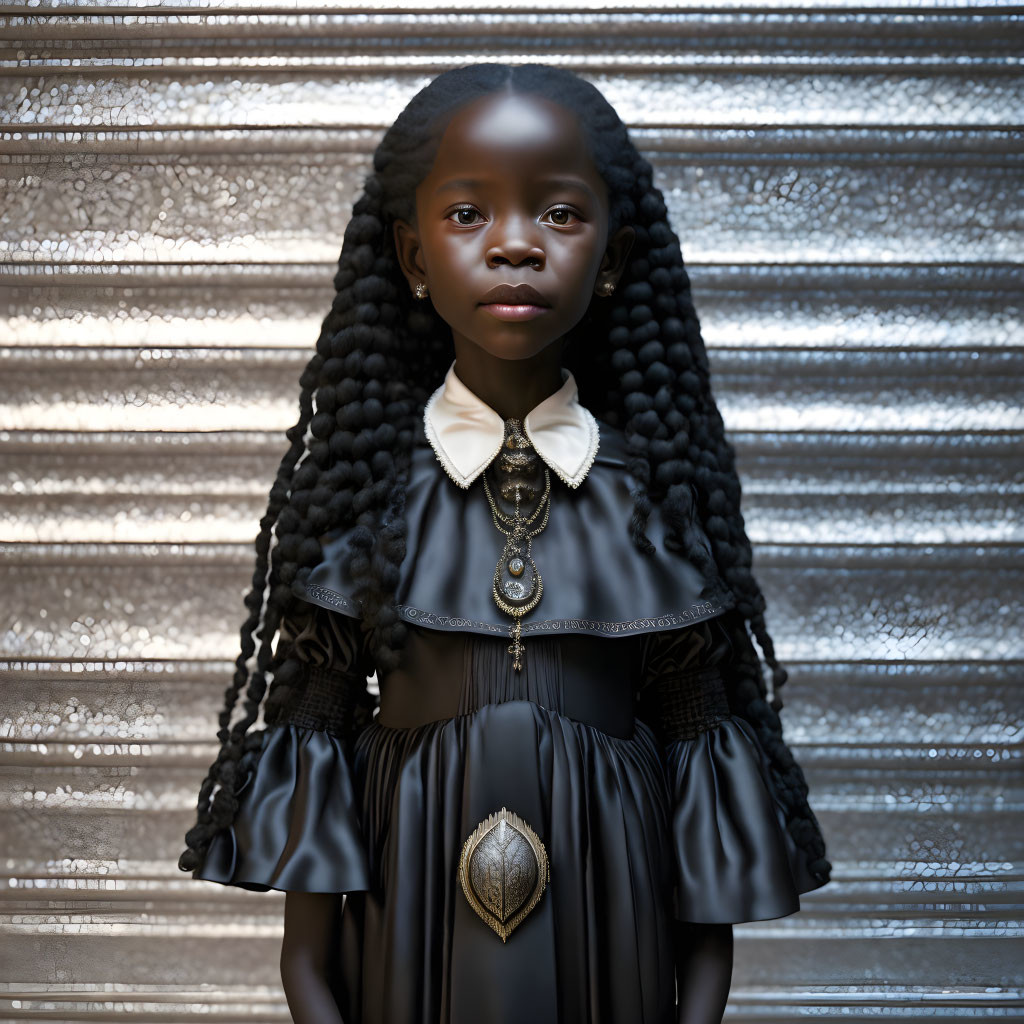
(743, 688)
(638, 358)
(374, 353)
(676, 437)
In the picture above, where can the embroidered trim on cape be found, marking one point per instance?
(695, 613)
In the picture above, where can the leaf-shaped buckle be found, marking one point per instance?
(503, 870)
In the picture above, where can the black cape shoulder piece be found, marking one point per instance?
(595, 578)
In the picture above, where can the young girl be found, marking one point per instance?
(509, 495)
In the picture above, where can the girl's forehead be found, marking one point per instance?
(503, 136)
(505, 121)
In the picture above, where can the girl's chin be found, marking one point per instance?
(514, 349)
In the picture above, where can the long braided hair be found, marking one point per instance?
(642, 368)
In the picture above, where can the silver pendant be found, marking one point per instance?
(517, 583)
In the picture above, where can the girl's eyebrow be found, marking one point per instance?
(457, 183)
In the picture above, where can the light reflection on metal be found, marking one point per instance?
(170, 211)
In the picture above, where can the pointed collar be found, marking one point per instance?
(466, 433)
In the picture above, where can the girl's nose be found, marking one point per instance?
(514, 242)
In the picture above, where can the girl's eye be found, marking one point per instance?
(562, 215)
(464, 209)
(567, 212)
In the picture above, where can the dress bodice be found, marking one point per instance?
(603, 682)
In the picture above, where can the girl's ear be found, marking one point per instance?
(613, 263)
(407, 248)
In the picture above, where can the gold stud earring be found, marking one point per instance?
(420, 291)
(605, 288)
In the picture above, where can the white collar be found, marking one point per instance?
(466, 433)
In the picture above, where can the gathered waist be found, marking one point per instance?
(591, 680)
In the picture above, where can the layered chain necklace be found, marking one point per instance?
(517, 583)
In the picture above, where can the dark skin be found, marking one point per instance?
(518, 227)
(498, 161)
(307, 953)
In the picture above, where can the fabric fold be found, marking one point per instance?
(297, 826)
(598, 804)
(735, 860)
(607, 588)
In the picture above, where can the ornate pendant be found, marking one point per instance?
(517, 583)
(503, 870)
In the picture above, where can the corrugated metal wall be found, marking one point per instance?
(846, 182)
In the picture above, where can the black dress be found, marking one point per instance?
(619, 743)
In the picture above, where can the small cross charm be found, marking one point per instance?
(516, 648)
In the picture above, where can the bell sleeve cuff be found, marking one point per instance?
(734, 858)
(297, 825)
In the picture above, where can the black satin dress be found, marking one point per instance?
(618, 742)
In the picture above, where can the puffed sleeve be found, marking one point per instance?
(297, 827)
(734, 858)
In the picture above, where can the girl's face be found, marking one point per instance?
(513, 200)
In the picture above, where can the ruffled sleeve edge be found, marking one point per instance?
(297, 827)
(734, 858)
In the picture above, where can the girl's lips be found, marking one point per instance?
(504, 311)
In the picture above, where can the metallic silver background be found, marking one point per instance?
(846, 181)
